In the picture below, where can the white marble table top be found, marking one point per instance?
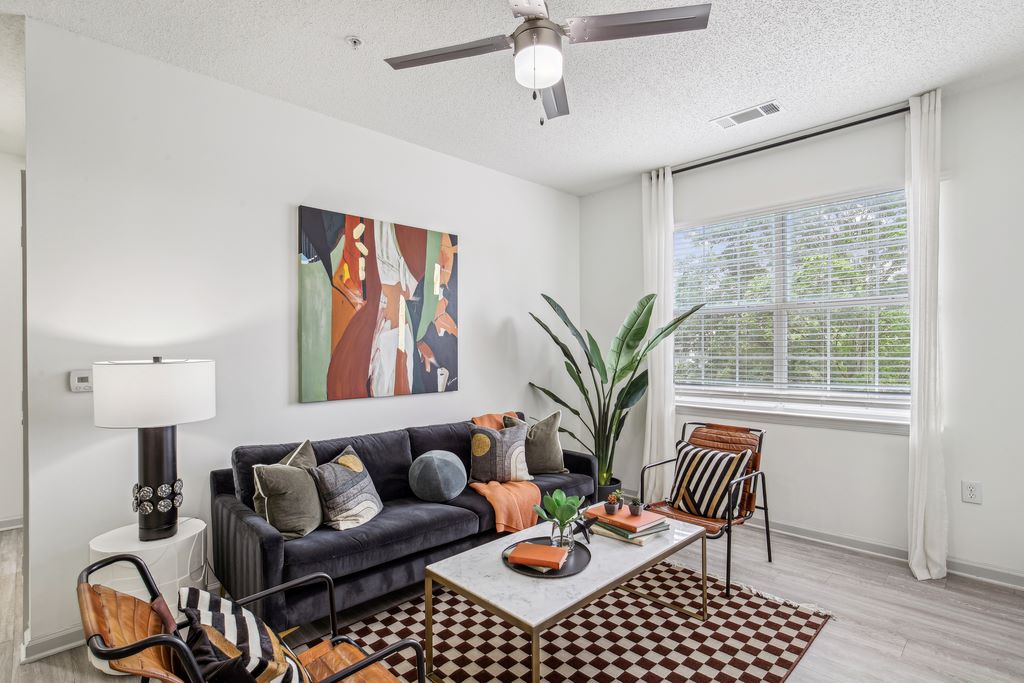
(534, 601)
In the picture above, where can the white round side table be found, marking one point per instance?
(174, 562)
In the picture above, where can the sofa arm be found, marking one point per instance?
(582, 463)
(248, 553)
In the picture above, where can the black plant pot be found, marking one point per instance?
(603, 491)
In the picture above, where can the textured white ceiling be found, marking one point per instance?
(635, 103)
(12, 84)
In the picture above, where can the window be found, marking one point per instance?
(807, 304)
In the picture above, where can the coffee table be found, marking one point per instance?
(535, 604)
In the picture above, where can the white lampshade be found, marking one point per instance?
(538, 66)
(151, 393)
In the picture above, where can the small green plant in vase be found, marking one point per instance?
(562, 511)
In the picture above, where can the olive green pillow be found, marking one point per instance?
(286, 495)
(543, 449)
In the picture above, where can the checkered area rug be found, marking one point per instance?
(620, 637)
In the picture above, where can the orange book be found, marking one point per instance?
(536, 555)
(623, 519)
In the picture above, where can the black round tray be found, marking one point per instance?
(577, 561)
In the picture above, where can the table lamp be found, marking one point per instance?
(153, 397)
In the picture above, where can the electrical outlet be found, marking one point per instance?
(970, 491)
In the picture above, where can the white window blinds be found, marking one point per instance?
(806, 302)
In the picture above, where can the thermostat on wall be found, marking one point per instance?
(80, 380)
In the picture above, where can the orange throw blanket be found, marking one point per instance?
(512, 501)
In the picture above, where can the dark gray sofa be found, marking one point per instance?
(387, 553)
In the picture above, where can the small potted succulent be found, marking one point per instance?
(562, 511)
(611, 506)
(636, 506)
(619, 497)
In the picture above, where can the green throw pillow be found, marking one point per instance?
(499, 456)
(543, 449)
(286, 495)
(347, 494)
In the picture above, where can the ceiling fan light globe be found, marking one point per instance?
(538, 66)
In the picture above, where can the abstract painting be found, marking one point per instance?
(378, 311)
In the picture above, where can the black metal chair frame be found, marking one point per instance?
(735, 487)
(188, 662)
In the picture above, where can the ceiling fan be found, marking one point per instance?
(537, 43)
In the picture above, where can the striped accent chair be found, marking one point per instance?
(718, 471)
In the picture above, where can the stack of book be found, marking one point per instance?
(543, 558)
(626, 527)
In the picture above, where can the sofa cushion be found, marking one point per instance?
(451, 436)
(478, 505)
(405, 526)
(386, 455)
(572, 483)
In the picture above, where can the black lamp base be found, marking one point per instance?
(157, 496)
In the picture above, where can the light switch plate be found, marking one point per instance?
(80, 381)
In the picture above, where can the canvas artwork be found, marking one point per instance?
(378, 310)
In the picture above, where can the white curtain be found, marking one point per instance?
(927, 515)
(659, 442)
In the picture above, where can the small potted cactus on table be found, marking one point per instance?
(611, 506)
(636, 506)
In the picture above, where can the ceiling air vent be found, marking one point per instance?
(760, 111)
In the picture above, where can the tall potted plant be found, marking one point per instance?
(617, 379)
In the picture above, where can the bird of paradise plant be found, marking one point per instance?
(618, 382)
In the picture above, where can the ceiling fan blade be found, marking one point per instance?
(445, 54)
(635, 24)
(529, 9)
(555, 102)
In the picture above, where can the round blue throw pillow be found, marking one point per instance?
(437, 476)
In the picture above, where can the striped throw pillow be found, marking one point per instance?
(701, 484)
(226, 637)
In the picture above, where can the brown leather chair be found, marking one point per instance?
(141, 638)
(742, 489)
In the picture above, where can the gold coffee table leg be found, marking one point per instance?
(703, 615)
(428, 596)
(704, 577)
(535, 656)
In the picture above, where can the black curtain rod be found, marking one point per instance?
(780, 143)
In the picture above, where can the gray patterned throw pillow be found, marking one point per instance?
(499, 455)
(347, 493)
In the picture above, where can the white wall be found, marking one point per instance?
(162, 213)
(852, 484)
(10, 338)
(981, 244)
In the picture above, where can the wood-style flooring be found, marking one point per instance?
(888, 626)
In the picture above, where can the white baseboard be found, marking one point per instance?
(11, 523)
(35, 649)
(956, 566)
